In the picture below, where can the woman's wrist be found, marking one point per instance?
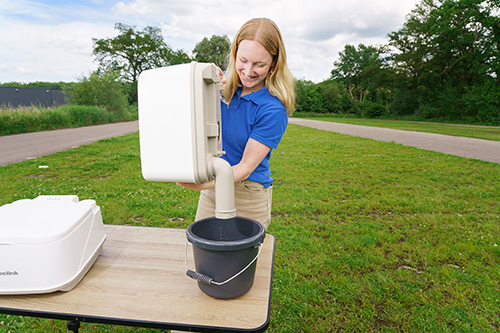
(209, 185)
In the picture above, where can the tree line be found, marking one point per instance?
(442, 64)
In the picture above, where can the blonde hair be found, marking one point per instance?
(279, 80)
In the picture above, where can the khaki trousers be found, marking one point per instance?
(253, 201)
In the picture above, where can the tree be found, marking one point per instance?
(465, 39)
(308, 98)
(336, 98)
(361, 69)
(446, 49)
(133, 51)
(214, 50)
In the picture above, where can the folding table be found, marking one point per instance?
(139, 280)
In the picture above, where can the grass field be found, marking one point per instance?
(471, 131)
(371, 236)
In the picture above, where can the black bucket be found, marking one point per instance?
(225, 254)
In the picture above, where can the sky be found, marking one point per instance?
(52, 40)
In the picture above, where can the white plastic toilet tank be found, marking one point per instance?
(48, 243)
(179, 122)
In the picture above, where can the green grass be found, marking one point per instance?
(371, 236)
(471, 131)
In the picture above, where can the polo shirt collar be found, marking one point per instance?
(257, 96)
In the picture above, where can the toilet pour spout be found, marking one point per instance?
(225, 207)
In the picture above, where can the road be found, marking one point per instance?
(20, 147)
(485, 150)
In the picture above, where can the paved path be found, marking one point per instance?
(20, 147)
(485, 150)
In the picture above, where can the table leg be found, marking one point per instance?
(74, 325)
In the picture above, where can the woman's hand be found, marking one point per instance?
(223, 79)
(197, 187)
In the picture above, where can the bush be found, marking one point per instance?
(372, 110)
(483, 104)
(24, 120)
(21, 124)
(102, 90)
(316, 115)
(427, 112)
(336, 98)
(325, 97)
(308, 97)
(88, 115)
(53, 119)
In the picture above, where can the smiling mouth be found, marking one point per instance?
(249, 77)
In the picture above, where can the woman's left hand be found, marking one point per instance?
(197, 187)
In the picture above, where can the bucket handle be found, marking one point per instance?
(207, 279)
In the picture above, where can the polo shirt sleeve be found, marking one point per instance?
(270, 124)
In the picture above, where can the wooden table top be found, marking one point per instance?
(140, 279)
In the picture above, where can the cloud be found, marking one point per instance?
(315, 19)
(45, 52)
(55, 40)
(315, 31)
(27, 9)
(15, 69)
(139, 7)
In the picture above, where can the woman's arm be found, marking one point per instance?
(253, 154)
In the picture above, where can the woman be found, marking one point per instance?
(258, 94)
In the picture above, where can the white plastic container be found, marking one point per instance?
(179, 122)
(48, 243)
(180, 130)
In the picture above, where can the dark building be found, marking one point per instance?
(14, 97)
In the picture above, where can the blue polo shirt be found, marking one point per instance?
(259, 116)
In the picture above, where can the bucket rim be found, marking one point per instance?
(253, 241)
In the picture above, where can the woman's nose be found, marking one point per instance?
(249, 69)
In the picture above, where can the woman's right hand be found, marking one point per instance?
(223, 79)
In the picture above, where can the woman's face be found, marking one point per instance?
(253, 63)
